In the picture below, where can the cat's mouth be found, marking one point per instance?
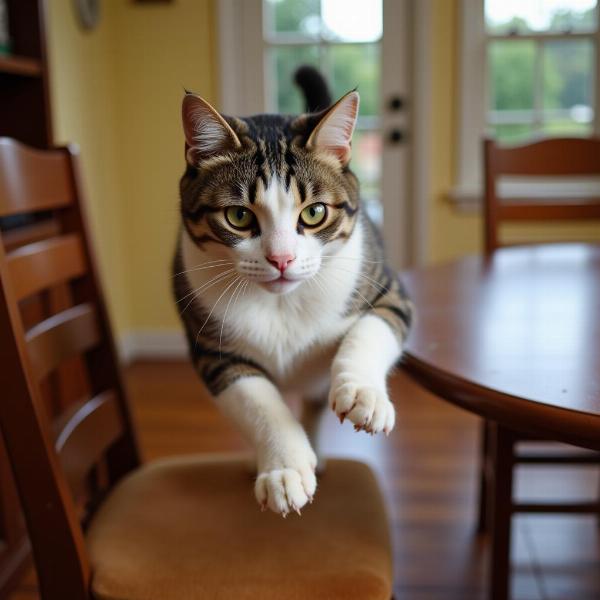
(281, 285)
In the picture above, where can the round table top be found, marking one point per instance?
(514, 338)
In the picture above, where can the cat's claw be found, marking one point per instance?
(366, 406)
(285, 490)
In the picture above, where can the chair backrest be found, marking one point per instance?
(63, 410)
(556, 157)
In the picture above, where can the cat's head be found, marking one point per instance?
(272, 194)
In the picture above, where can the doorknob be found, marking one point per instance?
(396, 103)
(396, 136)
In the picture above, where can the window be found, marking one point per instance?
(528, 70)
(541, 64)
(343, 39)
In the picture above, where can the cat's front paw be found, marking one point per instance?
(287, 489)
(364, 404)
(286, 479)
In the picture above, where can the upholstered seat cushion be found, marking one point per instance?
(189, 528)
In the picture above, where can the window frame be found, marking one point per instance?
(473, 101)
(271, 39)
(241, 92)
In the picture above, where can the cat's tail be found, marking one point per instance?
(314, 87)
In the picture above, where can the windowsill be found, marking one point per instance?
(465, 198)
(468, 198)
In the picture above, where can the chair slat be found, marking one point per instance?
(19, 236)
(556, 157)
(531, 211)
(33, 180)
(44, 264)
(87, 432)
(62, 336)
(572, 157)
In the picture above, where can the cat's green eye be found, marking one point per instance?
(239, 217)
(313, 215)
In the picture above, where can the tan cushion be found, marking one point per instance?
(188, 528)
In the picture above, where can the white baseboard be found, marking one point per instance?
(152, 344)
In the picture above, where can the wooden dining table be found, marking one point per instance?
(514, 338)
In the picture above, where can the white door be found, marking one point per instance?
(355, 43)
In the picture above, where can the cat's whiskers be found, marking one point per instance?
(355, 291)
(204, 287)
(245, 283)
(369, 280)
(204, 284)
(237, 287)
(209, 265)
(317, 283)
(248, 282)
(325, 292)
(375, 262)
(236, 277)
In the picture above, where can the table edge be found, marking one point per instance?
(520, 414)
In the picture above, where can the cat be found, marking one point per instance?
(281, 281)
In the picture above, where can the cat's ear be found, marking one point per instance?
(333, 133)
(207, 133)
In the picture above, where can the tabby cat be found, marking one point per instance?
(281, 282)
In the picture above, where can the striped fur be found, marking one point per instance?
(333, 321)
(273, 149)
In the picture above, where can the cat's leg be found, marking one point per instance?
(358, 375)
(286, 462)
(313, 409)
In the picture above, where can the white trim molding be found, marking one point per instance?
(471, 103)
(240, 89)
(169, 344)
(421, 16)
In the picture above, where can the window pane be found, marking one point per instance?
(511, 69)
(523, 16)
(568, 72)
(568, 87)
(565, 126)
(287, 98)
(512, 133)
(352, 20)
(293, 16)
(357, 65)
(366, 162)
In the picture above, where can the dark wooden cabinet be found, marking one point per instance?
(24, 94)
(24, 115)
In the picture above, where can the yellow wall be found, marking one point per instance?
(116, 91)
(83, 100)
(161, 49)
(451, 233)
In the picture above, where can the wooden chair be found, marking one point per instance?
(550, 157)
(102, 526)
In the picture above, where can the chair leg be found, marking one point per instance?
(598, 498)
(502, 442)
(483, 498)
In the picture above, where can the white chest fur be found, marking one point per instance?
(284, 333)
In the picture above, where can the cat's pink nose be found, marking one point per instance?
(281, 261)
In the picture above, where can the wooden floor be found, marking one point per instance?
(427, 469)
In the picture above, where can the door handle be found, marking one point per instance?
(396, 103)
(396, 136)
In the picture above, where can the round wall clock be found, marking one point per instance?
(88, 12)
